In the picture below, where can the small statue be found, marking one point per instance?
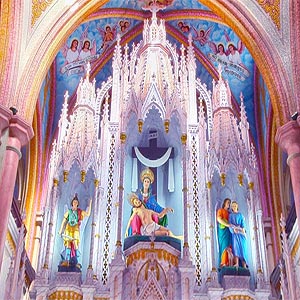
(70, 232)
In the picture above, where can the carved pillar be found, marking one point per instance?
(288, 138)
(184, 190)
(269, 244)
(118, 264)
(210, 240)
(259, 248)
(20, 133)
(50, 238)
(89, 274)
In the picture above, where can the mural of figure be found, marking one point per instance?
(237, 220)
(234, 52)
(219, 50)
(148, 226)
(108, 35)
(70, 229)
(202, 35)
(124, 25)
(71, 54)
(149, 201)
(224, 234)
(86, 51)
(183, 27)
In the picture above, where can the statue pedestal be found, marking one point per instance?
(236, 282)
(152, 268)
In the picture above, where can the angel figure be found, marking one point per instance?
(71, 53)
(85, 45)
(124, 25)
(202, 35)
(79, 48)
(219, 50)
(234, 53)
(183, 27)
(108, 35)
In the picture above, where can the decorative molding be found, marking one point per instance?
(272, 8)
(38, 7)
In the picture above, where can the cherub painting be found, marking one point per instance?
(183, 27)
(124, 25)
(108, 35)
(202, 35)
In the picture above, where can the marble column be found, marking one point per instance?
(288, 138)
(5, 116)
(20, 133)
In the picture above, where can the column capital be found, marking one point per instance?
(20, 129)
(5, 116)
(288, 136)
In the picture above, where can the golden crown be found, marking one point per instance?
(131, 197)
(147, 173)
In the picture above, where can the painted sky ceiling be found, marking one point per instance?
(182, 18)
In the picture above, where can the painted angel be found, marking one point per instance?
(86, 49)
(108, 35)
(183, 27)
(124, 25)
(71, 53)
(219, 50)
(202, 35)
(79, 48)
(234, 53)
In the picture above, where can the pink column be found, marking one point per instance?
(19, 134)
(5, 116)
(288, 138)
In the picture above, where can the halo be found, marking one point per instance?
(147, 173)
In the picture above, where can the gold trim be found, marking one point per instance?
(66, 173)
(123, 137)
(223, 179)
(295, 247)
(65, 295)
(183, 138)
(140, 125)
(167, 125)
(82, 175)
(161, 255)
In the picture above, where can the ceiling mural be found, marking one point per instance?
(214, 43)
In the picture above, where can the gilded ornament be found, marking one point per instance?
(55, 182)
(167, 125)
(251, 185)
(123, 137)
(240, 178)
(140, 125)
(223, 178)
(66, 173)
(183, 138)
(82, 174)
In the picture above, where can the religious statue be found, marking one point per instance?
(70, 231)
(148, 225)
(149, 201)
(224, 235)
(237, 228)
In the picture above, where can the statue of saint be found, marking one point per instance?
(237, 229)
(149, 201)
(224, 234)
(148, 225)
(70, 230)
